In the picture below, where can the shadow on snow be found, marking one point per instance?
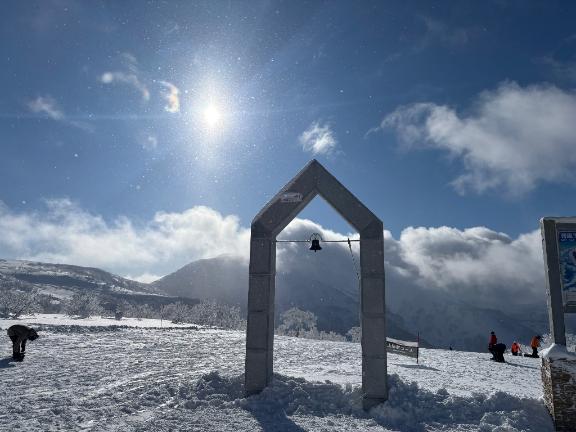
(7, 362)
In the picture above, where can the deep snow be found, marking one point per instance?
(148, 379)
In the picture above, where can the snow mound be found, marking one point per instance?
(409, 408)
(558, 352)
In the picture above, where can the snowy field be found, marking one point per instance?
(144, 378)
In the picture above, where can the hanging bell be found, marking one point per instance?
(315, 245)
(315, 238)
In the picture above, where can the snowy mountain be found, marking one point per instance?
(225, 279)
(441, 320)
(61, 281)
(167, 379)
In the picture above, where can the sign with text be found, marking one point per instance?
(291, 197)
(567, 261)
(406, 348)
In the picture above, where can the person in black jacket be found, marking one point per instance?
(19, 335)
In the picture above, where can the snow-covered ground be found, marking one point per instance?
(111, 378)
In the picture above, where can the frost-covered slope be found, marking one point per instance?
(58, 282)
(99, 378)
(62, 280)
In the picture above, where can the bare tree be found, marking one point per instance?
(295, 321)
(13, 303)
(140, 311)
(84, 305)
(214, 314)
(177, 312)
(354, 334)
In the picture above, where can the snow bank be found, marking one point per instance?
(558, 352)
(409, 407)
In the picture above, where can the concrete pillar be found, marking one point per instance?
(260, 327)
(373, 316)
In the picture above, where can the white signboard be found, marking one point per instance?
(291, 197)
(406, 348)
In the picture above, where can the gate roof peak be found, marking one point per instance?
(314, 180)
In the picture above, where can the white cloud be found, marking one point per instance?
(476, 265)
(46, 105)
(171, 94)
(319, 139)
(126, 78)
(513, 139)
(65, 233)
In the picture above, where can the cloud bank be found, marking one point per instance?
(476, 265)
(65, 233)
(513, 138)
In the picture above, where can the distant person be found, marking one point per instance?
(515, 349)
(492, 343)
(19, 335)
(535, 344)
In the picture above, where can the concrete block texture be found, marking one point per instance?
(256, 362)
(372, 338)
(260, 294)
(373, 300)
(374, 381)
(559, 381)
(262, 256)
(257, 328)
(372, 257)
(314, 180)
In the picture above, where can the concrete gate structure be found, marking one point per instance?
(314, 180)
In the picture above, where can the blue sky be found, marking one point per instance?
(433, 113)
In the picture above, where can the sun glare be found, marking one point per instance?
(212, 116)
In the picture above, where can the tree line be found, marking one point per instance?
(293, 322)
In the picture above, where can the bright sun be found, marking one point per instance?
(212, 116)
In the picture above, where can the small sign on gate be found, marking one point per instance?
(291, 197)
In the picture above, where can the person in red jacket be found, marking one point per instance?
(492, 343)
(535, 343)
(515, 348)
